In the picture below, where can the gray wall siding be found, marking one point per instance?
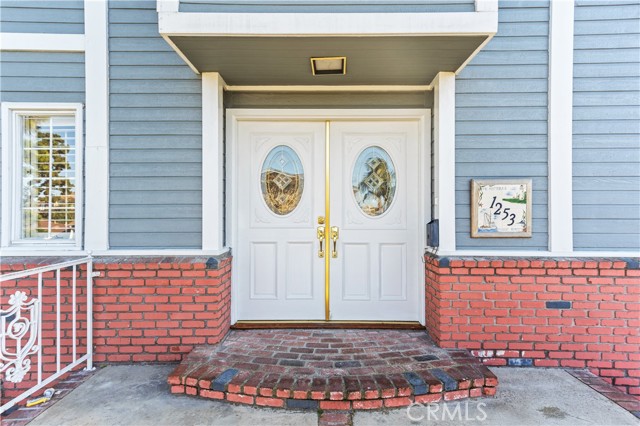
(41, 77)
(42, 16)
(333, 6)
(501, 119)
(155, 135)
(606, 125)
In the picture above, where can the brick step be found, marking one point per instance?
(331, 370)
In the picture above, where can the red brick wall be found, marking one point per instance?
(151, 311)
(145, 309)
(574, 313)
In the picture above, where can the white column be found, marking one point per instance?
(168, 5)
(212, 161)
(444, 156)
(96, 223)
(486, 5)
(560, 124)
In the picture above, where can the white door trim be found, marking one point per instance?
(234, 116)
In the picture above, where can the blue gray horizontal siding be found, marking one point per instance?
(331, 6)
(155, 136)
(501, 119)
(42, 16)
(41, 77)
(606, 125)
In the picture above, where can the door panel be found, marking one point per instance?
(355, 270)
(393, 282)
(264, 275)
(377, 281)
(300, 264)
(278, 272)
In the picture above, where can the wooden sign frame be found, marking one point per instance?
(501, 208)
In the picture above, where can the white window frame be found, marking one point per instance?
(11, 174)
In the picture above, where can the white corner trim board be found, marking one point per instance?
(167, 5)
(486, 5)
(212, 161)
(327, 24)
(97, 126)
(36, 42)
(560, 142)
(444, 155)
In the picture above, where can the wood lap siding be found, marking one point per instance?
(501, 119)
(42, 77)
(155, 135)
(42, 16)
(606, 125)
(326, 6)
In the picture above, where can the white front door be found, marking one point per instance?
(280, 190)
(372, 202)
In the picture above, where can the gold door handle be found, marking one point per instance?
(335, 234)
(320, 235)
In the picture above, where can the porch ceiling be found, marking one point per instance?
(389, 60)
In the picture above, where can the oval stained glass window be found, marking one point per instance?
(282, 180)
(374, 181)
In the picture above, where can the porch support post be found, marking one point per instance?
(212, 161)
(444, 156)
(560, 142)
(96, 208)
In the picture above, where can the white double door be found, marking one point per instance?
(364, 186)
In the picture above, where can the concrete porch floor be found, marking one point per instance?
(139, 395)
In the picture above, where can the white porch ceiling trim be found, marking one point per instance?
(357, 88)
(327, 24)
(172, 22)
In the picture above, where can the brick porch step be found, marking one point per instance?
(331, 370)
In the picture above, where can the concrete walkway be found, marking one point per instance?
(139, 395)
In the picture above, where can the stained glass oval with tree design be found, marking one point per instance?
(374, 181)
(282, 180)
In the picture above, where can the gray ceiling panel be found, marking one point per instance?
(370, 60)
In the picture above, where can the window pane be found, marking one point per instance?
(48, 177)
(282, 180)
(374, 181)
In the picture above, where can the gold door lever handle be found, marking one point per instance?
(335, 234)
(320, 235)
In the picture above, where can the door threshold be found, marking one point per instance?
(386, 325)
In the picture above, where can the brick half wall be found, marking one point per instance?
(157, 310)
(573, 313)
(145, 309)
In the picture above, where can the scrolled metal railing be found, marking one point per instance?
(21, 325)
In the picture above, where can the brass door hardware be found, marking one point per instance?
(327, 218)
(321, 236)
(335, 234)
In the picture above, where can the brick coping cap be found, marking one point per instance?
(444, 261)
(212, 262)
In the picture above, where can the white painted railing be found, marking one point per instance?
(21, 326)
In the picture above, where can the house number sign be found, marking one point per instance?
(501, 208)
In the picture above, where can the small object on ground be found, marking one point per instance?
(41, 400)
